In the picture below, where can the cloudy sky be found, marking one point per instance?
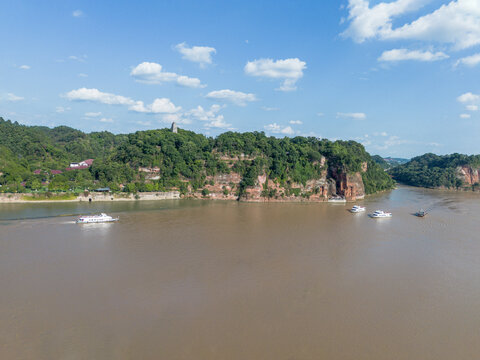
(401, 77)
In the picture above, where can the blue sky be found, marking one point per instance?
(401, 77)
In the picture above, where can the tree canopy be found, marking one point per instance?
(180, 158)
(430, 170)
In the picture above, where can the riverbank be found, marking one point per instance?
(29, 198)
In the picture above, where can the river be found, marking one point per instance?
(227, 280)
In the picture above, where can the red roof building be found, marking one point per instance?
(56, 172)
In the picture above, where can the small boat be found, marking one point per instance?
(380, 214)
(421, 213)
(102, 218)
(357, 209)
(337, 199)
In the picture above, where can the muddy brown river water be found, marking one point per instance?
(228, 280)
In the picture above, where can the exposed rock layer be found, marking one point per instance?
(468, 175)
(335, 182)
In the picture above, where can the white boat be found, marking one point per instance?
(380, 214)
(102, 218)
(357, 209)
(337, 199)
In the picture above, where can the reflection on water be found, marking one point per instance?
(228, 280)
(96, 230)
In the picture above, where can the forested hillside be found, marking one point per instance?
(32, 157)
(432, 171)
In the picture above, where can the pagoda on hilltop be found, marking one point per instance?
(174, 128)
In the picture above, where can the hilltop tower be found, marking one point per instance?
(174, 128)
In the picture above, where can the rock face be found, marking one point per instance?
(349, 185)
(468, 175)
(333, 182)
(224, 186)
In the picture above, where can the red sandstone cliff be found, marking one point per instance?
(468, 175)
(332, 182)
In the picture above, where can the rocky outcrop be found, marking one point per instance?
(221, 186)
(269, 190)
(349, 185)
(468, 175)
(332, 183)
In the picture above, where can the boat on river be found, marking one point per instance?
(91, 219)
(421, 213)
(380, 214)
(357, 209)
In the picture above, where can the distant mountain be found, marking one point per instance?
(389, 162)
(396, 161)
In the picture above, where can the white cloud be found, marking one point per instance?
(81, 58)
(158, 106)
(163, 105)
(151, 73)
(95, 95)
(198, 54)
(465, 116)
(320, 114)
(93, 114)
(61, 109)
(176, 117)
(24, 67)
(77, 13)
(236, 97)
(369, 22)
(456, 23)
(394, 140)
(356, 116)
(404, 54)
(278, 129)
(471, 61)
(82, 75)
(218, 122)
(469, 98)
(212, 117)
(106, 120)
(472, 107)
(204, 115)
(384, 142)
(12, 97)
(290, 70)
(295, 122)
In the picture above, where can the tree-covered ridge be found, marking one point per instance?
(182, 160)
(381, 161)
(430, 170)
